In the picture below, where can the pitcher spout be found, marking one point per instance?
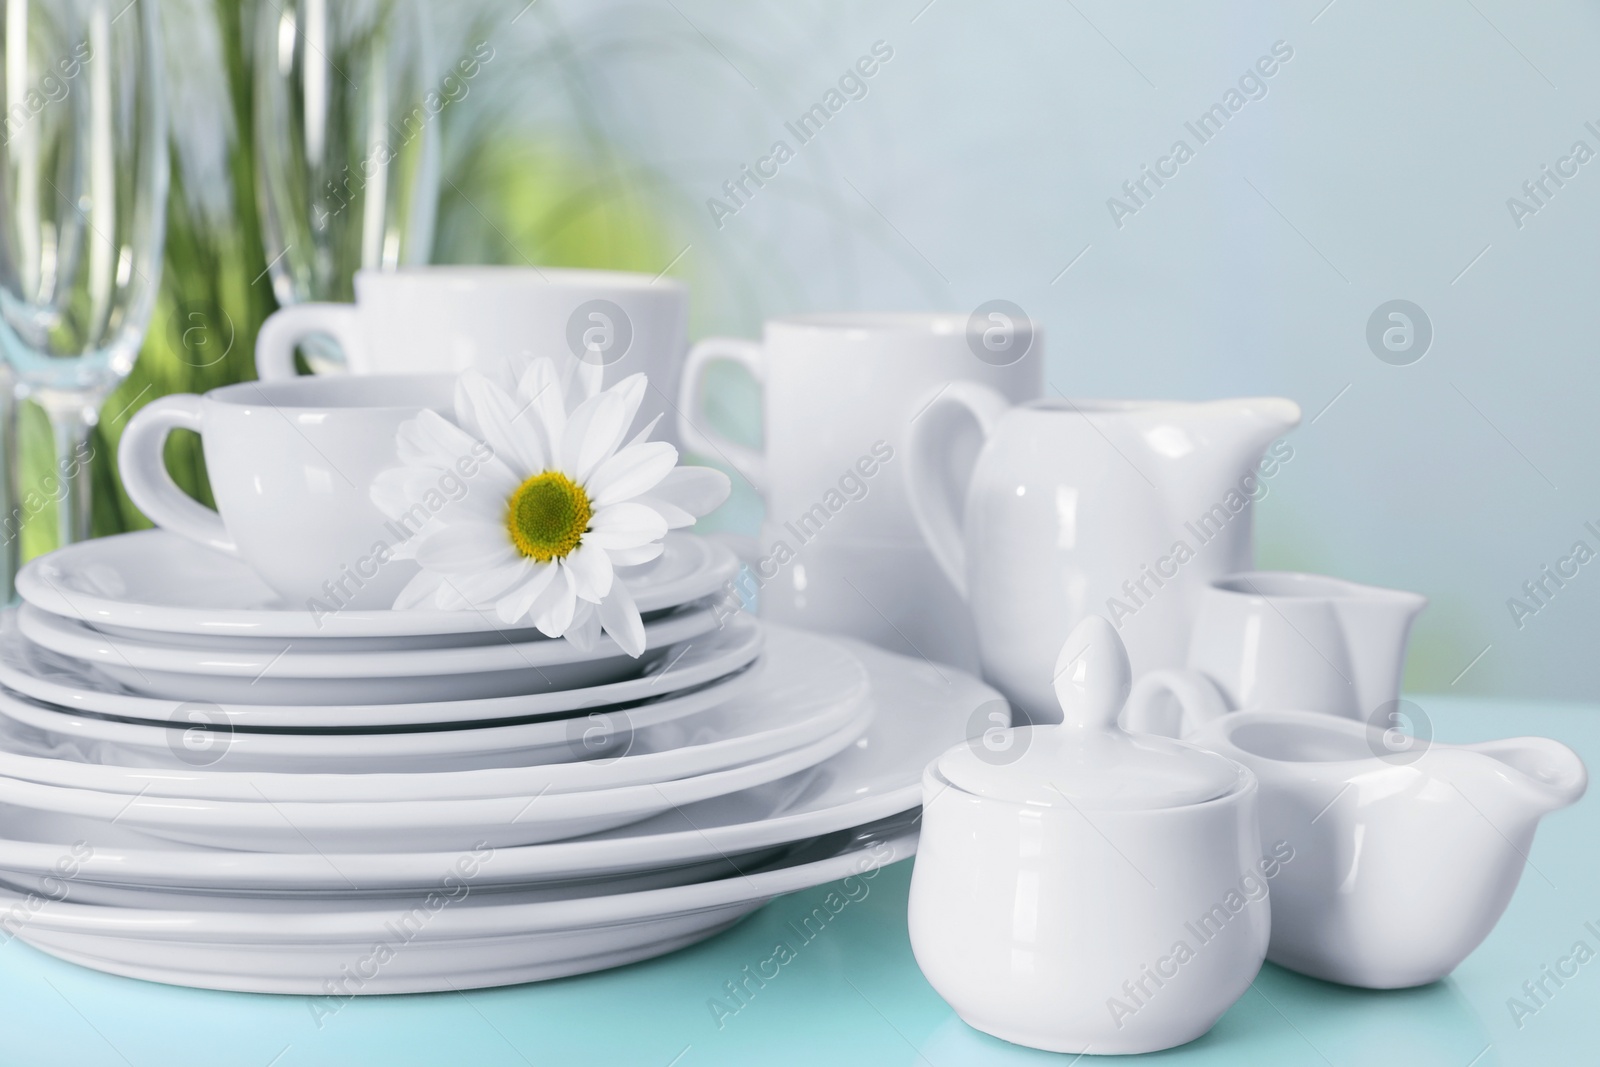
(1533, 776)
(1376, 624)
(1210, 450)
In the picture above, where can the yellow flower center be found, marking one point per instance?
(548, 515)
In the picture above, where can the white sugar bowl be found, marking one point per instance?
(1082, 889)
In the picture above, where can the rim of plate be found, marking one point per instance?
(717, 565)
(745, 636)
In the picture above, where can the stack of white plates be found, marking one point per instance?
(201, 785)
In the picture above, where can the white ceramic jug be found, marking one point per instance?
(1125, 509)
(1406, 855)
(1278, 641)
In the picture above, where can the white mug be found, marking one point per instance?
(840, 549)
(424, 320)
(1283, 641)
(291, 464)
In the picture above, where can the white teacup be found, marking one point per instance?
(291, 464)
(841, 391)
(425, 320)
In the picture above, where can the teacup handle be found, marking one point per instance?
(1198, 702)
(287, 327)
(141, 458)
(692, 410)
(937, 489)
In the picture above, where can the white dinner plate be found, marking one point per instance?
(267, 825)
(208, 740)
(56, 679)
(921, 712)
(152, 580)
(453, 939)
(805, 689)
(291, 675)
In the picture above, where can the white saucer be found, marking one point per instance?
(921, 712)
(290, 675)
(156, 581)
(462, 940)
(55, 679)
(805, 689)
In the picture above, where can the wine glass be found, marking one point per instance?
(83, 163)
(346, 145)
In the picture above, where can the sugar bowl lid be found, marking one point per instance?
(1088, 761)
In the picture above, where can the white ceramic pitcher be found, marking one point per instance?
(1121, 508)
(1280, 640)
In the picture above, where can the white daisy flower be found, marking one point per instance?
(555, 501)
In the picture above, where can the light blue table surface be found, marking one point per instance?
(853, 995)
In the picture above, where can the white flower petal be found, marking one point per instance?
(418, 592)
(626, 525)
(634, 470)
(431, 440)
(590, 569)
(697, 490)
(632, 557)
(480, 589)
(644, 435)
(467, 546)
(620, 617)
(540, 391)
(592, 435)
(515, 605)
(584, 633)
(504, 424)
(554, 610)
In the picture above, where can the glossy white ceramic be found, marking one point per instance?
(921, 712)
(805, 689)
(1094, 893)
(1406, 851)
(445, 319)
(1120, 508)
(72, 684)
(450, 940)
(840, 394)
(1277, 641)
(155, 584)
(187, 675)
(266, 825)
(290, 465)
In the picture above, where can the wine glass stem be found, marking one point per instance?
(71, 420)
(10, 509)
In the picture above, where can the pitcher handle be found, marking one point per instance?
(1198, 702)
(707, 442)
(937, 491)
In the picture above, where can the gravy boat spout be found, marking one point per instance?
(1404, 858)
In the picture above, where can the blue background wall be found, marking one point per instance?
(1377, 167)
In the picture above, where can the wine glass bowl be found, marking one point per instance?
(347, 157)
(83, 188)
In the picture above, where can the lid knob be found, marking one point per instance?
(1092, 676)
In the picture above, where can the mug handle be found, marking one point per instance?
(141, 459)
(937, 504)
(691, 404)
(287, 327)
(1198, 702)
